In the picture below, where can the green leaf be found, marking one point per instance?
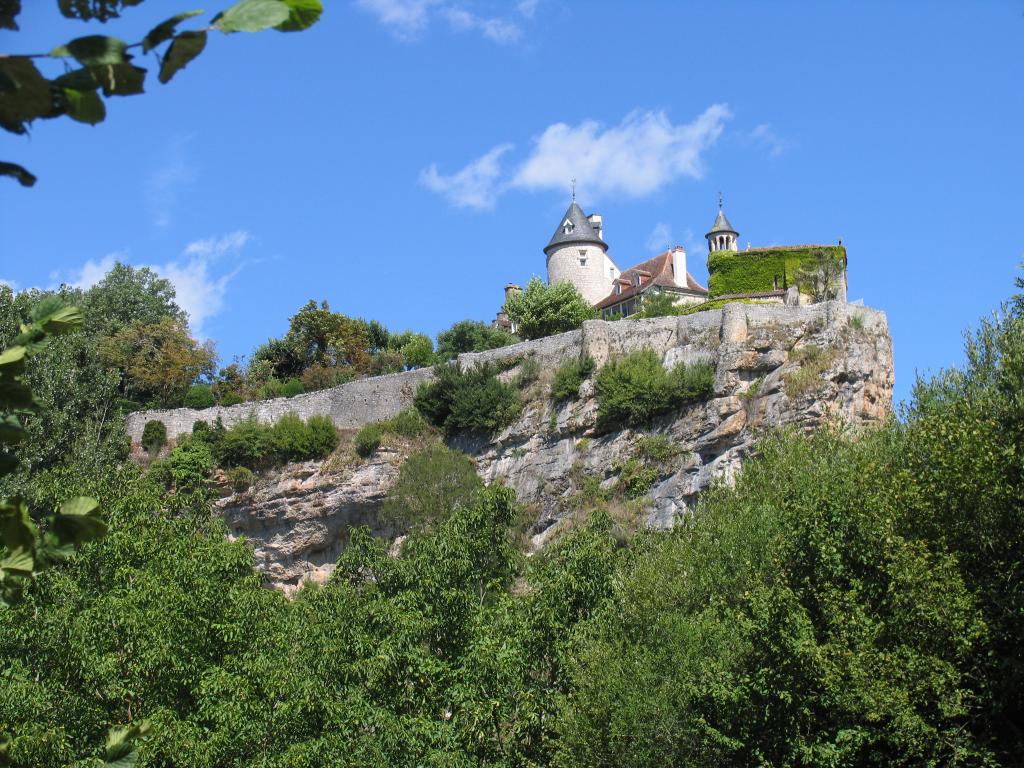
(119, 79)
(119, 751)
(252, 16)
(78, 79)
(62, 320)
(164, 30)
(15, 356)
(93, 50)
(302, 14)
(186, 46)
(11, 430)
(14, 394)
(18, 172)
(80, 505)
(24, 93)
(85, 106)
(17, 534)
(9, 10)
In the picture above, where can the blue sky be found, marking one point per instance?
(404, 159)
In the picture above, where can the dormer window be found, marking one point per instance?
(567, 227)
(637, 280)
(618, 289)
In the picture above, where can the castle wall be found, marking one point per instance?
(591, 279)
(357, 403)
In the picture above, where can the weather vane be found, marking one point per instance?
(719, 200)
(574, 189)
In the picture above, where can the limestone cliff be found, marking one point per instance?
(774, 366)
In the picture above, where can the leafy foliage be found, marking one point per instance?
(105, 64)
(636, 388)
(255, 445)
(471, 336)
(199, 396)
(543, 310)
(472, 401)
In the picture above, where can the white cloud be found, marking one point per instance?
(408, 19)
(527, 8)
(475, 186)
(9, 283)
(496, 29)
(635, 158)
(660, 237)
(764, 136)
(218, 246)
(164, 185)
(199, 286)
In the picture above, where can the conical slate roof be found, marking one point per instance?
(580, 230)
(722, 224)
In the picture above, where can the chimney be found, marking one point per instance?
(679, 266)
(597, 223)
(510, 290)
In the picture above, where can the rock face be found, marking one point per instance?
(774, 366)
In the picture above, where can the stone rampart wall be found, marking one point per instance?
(357, 403)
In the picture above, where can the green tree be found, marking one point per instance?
(418, 351)
(544, 310)
(471, 336)
(127, 295)
(158, 361)
(105, 63)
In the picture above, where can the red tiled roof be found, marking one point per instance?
(659, 272)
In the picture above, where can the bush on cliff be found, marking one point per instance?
(255, 445)
(636, 388)
(431, 485)
(470, 401)
(569, 376)
(154, 436)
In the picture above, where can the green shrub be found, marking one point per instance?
(292, 387)
(570, 375)
(367, 439)
(323, 436)
(636, 388)
(254, 445)
(409, 423)
(318, 377)
(154, 436)
(473, 401)
(657, 448)
(636, 478)
(431, 485)
(190, 464)
(529, 372)
(813, 361)
(247, 444)
(199, 396)
(160, 473)
(240, 478)
(231, 398)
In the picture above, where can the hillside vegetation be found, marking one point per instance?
(854, 600)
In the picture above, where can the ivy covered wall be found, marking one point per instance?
(756, 270)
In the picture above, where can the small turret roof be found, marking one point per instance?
(581, 230)
(722, 224)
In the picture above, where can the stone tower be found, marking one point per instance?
(722, 236)
(578, 254)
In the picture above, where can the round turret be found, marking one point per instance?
(722, 236)
(578, 254)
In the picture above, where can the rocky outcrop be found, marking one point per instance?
(774, 366)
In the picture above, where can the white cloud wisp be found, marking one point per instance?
(640, 155)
